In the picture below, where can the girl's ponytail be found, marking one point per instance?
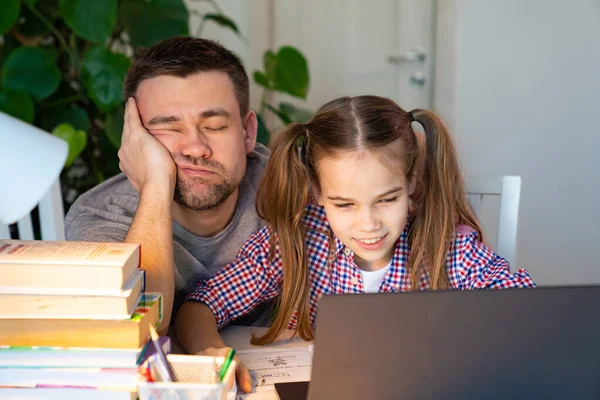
(444, 204)
(281, 200)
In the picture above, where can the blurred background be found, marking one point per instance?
(515, 81)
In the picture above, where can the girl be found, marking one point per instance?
(347, 213)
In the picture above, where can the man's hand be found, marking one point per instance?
(144, 159)
(242, 375)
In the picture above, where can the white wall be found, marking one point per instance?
(522, 91)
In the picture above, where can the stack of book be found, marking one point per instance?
(74, 319)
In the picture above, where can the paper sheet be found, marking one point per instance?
(270, 366)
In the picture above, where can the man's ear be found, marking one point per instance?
(250, 131)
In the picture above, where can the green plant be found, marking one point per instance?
(287, 72)
(63, 62)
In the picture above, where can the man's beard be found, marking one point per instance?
(211, 194)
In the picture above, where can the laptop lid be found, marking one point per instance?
(492, 344)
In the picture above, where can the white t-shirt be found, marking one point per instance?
(372, 279)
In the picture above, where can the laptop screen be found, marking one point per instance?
(492, 344)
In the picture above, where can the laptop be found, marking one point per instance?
(489, 344)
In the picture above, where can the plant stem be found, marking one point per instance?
(53, 29)
(263, 101)
(200, 28)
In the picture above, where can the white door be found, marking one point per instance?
(382, 47)
(413, 59)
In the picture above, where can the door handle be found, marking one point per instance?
(417, 78)
(411, 56)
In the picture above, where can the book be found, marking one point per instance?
(26, 302)
(61, 264)
(113, 378)
(130, 333)
(69, 357)
(47, 392)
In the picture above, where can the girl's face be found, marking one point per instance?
(366, 204)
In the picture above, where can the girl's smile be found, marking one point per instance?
(371, 244)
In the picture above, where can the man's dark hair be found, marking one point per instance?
(185, 56)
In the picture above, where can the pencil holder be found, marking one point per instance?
(195, 380)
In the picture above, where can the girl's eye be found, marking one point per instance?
(219, 128)
(388, 200)
(343, 205)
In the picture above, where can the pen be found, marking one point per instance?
(162, 365)
(225, 366)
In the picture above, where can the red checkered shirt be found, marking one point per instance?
(252, 279)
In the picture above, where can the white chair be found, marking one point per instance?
(52, 216)
(509, 190)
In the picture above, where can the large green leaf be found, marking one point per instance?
(114, 126)
(148, 22)
(223, 21)
(261, 79)
(9, 14)
(263, 134)
(103, 76)
(74, 115)
(295, 113)
(77, 140)
(17, 104)
(291, 72)
(93, 20)
(31, 70)
(286, 71)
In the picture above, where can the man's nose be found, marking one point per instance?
(196, 145)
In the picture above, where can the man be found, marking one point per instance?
(190, 166)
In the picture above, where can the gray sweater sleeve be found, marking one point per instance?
(103, 214)
(89, 227)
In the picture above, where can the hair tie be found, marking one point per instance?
(300, 142)
(300, 147)
(410, 116)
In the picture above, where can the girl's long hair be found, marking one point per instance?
(351, 124)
